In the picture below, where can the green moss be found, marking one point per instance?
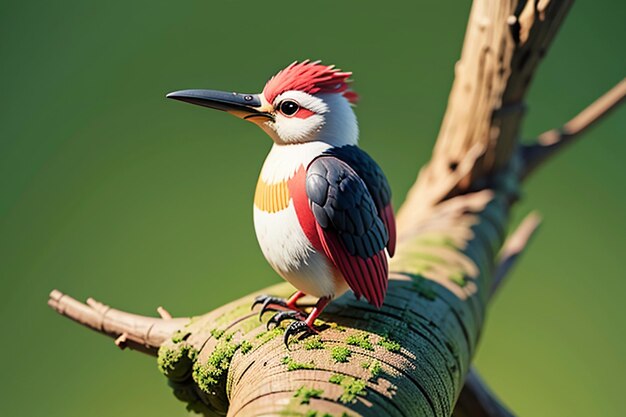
(312, 413)
(304, 394)
(292, 412)
(180, 336)
(351, 387)
(336, 379)
(245, 347)
(176, 363)
(209, 374)
(390, 345)
(340, 353)
(458, 278)
(217, 333)
(313, 343)
(265, 337)
(361, 340)
(374, 367)
(294, 366)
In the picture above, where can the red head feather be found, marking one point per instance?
(309, 77)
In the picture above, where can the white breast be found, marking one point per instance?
(280, 236)
(284, 160)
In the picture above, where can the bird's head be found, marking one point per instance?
(305, 102)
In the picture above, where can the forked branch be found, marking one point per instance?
(555, 140)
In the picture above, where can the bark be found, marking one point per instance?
(412, 357)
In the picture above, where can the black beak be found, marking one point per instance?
(245, 106)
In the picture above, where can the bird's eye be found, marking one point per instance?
(289, 108)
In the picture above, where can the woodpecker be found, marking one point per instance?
(322, 207)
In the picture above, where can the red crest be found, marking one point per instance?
(309, 77)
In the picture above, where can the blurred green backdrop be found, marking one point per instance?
(109, 190)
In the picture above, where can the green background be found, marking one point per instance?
(109, 190)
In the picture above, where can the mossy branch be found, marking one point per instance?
(412, 357)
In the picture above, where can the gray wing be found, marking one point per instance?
(352, 233)
(376, 182)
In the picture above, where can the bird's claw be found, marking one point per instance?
(284, 315)
(284, 311)
(296, 328)
(267, 302)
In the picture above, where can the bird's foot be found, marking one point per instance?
(304, 325)
(296, 328)
(271, 303)
(285, 315)
(287, 310)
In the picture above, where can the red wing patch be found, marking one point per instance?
(366, 277)
(304, 214)
(390, 223)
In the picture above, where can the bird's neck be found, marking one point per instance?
(340, 125)
(283, 161)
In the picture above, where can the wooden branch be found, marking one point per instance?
(553, 141)
(137, 332)
(476, 399)
(504, 43)
(513, 248)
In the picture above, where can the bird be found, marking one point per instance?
(322, 207)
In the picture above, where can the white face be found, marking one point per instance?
(300, 117)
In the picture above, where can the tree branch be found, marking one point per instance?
(513, 248)
(553, 141)
(477, 400)
(504, 43)
(137, 332)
